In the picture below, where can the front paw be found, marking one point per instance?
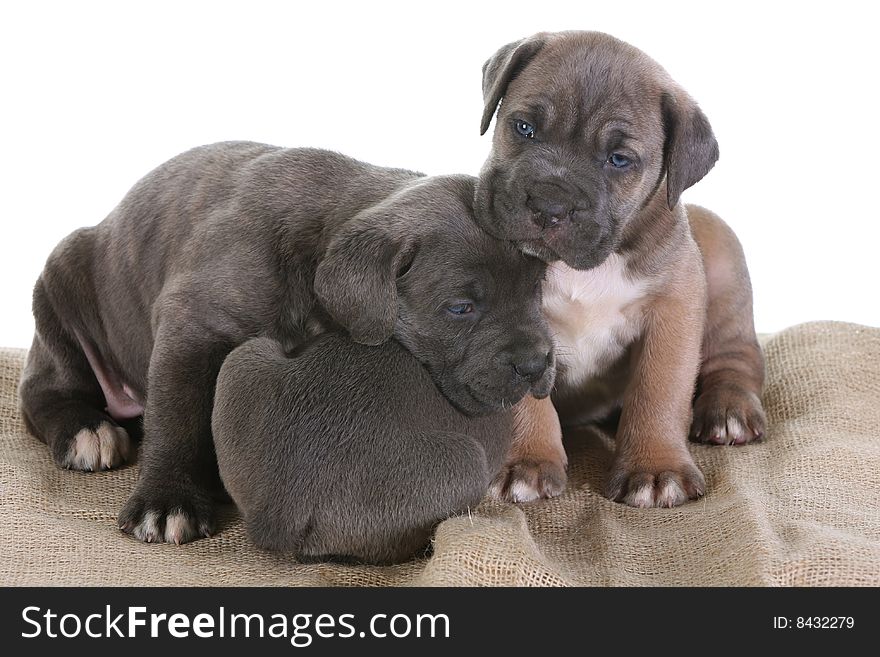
(102, 448)
(168, 512)
(666, 486)
(528, 480)
(727, 415)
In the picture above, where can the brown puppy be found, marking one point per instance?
(593, 146)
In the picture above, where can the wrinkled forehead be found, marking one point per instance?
(590, 78)
(459, 244)
(466, 256)
(436, 200)
(453, 251)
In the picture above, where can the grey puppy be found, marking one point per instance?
(232, 241)
(649, 300)
(347, 452)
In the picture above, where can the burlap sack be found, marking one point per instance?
(800, 508)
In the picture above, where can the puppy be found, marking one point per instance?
(225, 243)
(352, 452)
(649, 300)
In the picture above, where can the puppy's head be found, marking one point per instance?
(466, 305)
(587, 131)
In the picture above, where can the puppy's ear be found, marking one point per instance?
(690, 149)
(356, 280)
(501, 68)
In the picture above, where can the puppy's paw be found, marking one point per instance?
(658, 487)
(727, 415)
(107, 446)
(173, 514)
(528, 480)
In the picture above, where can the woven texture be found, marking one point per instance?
(800, 508)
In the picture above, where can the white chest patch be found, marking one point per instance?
(594, 315)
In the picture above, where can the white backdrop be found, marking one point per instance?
(95, 94)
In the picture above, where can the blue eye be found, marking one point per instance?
(461, 308)
(619, 161)
(524, 128)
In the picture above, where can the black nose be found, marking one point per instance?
(532, 367)
(547, 212)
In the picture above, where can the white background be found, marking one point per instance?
(93, 95)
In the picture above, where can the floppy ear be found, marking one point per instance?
(501, 68)
(356, 280)
(690, 149)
